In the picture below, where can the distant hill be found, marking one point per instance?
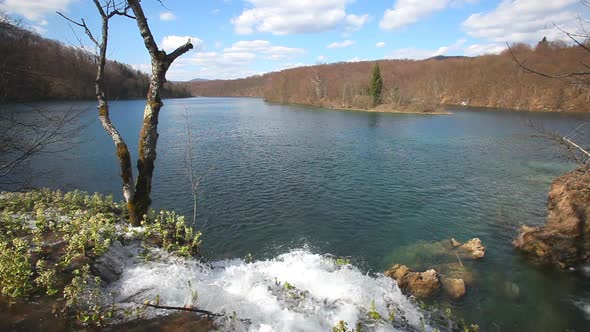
(487, 81)
(36, 68)
(446, 57)
(199, 80)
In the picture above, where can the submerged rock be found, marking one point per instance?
(420, 284)
(455, 243)
(474, 248)
(454, 287)
(511, 289)
(565, 238)
(457, 271)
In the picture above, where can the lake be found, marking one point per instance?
(377, 188)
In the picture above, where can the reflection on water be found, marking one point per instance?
(365, 185)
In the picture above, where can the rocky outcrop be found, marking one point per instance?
(565, 238)
(420, 284)
(474, 248)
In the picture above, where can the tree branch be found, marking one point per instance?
(179, 51)
(205, 312)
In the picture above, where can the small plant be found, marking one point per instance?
(373, 314)
(392, 315)
(170, 232)
(288, 286)
(341, 326)
(46, 278)
(83, 298)
(342, 261)
(249, 258)
(15, 268)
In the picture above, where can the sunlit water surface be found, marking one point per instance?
(372, 187)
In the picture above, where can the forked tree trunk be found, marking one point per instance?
(148, 137)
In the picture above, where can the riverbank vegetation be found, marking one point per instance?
(486, 81)
(59, 249)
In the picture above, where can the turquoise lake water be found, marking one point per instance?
(377, 188)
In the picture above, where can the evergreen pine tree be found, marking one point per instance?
(376, 85)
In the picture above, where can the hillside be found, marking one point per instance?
(35, 68)
(488, 81)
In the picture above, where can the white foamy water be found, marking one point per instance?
(318, 295)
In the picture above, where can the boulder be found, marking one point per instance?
(109, 266)
(420, 284)
(455, 243)
(564, 239)
(399, 274)
(423, 284)
(474, 248)
(454, 287)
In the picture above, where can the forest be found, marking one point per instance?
(35, 68)
(486, 81)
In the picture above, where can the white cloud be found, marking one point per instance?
(232, 62)
(322, 58)
(167, 16)
(357, 59)
(297, 16)
(34, 10)
(406, 12)
(170, 43)
(457, 48)
(264, 47)
(213, 65)
(380, 44)
(479, 49)
(292, 65)
(355, 22)
(411, 53)
(142, 67)
(523, 20)
(39, 29)
(342, 44)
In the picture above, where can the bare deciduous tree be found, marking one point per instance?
(40, 132)
(137, 196)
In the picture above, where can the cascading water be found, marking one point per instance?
(296, 291)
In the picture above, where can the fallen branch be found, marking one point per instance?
(576, 146)
(459, 259)
(205, 312)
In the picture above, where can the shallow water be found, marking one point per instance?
(368, 186)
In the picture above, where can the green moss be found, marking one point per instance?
(103, 111)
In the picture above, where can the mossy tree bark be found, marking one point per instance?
(148, 137)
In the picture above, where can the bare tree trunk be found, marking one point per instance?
(122, 152)
(148, 137)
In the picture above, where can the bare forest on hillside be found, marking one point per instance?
(487, 81)
(35, 68)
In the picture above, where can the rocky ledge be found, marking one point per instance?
(564, 240)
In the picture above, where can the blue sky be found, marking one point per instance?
(238, 38)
